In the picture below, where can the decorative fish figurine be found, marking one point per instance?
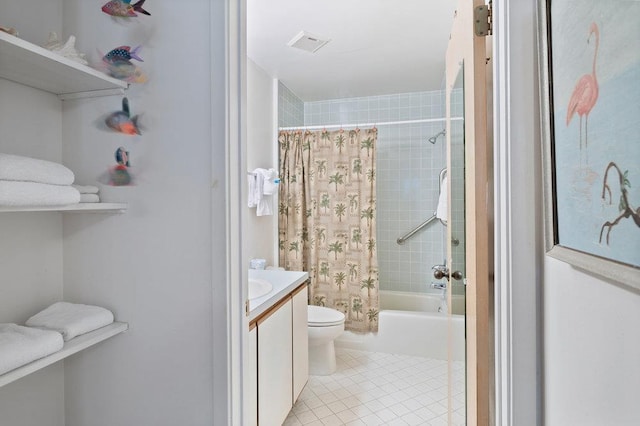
(119, 174)
(121, 121)
(123, 53)
(124, 8)
(125, 71)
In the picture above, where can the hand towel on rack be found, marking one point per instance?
(270, 184)
(18, 168)
(255, 189)
(89, 198)
(32, 194)
(86, 189)
(71, 319)
(22, 345)
(264, 207)
(441, 211)
(257, 197)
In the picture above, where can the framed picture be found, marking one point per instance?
(589, 55)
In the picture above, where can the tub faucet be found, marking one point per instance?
(443, 298)
(439, 286)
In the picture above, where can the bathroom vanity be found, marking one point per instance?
(278, 345)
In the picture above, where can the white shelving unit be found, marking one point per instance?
(35, 66)
(73, 208)
(71, 347)
(31, 65)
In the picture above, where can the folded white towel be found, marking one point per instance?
(71, 319)
(16, 167)
(89, 198)
(86, 189)
(441, 211)
(21, 345)
(32, 194)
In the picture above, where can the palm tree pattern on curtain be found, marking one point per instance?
(327, 219)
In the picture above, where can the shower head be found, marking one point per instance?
(433, 138)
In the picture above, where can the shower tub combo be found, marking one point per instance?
(411, 324)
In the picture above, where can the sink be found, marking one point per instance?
(258, 288)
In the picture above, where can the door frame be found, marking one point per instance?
(231, 364)
(519, 245)
(465, 47)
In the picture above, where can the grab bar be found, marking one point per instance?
(410, 234)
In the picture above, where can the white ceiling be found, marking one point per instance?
(377, 46)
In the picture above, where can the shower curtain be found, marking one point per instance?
(327, 215)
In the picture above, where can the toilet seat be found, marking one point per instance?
(320, 316)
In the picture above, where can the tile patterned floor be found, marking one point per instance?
(372, 388)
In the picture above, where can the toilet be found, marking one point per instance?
(324, 324)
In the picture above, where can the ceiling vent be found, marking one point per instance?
(308, 42)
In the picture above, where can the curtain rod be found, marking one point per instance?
(386, 123)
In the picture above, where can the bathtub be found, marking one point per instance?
(410, 324)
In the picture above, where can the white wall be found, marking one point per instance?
(31, 244)
(261, 231)
(162, 265)
(152, 265)
(590, 349)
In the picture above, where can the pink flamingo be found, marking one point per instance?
(585, 94)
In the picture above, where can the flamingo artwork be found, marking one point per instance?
(585, 94)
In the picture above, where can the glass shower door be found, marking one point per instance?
(456, 244)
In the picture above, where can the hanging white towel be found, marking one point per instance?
(32, 194)
(71, 319)
(21, 345)
(255, 188)
(265, 206)
(270, 185)
(441, 211)
(18, 168)
(257, 197)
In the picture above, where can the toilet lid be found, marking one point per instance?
(321, 316)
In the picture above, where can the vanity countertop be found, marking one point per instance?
(283, 282)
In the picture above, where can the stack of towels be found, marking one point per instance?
(263, 183)
(88, 193)
(46, 332)
(30, 182)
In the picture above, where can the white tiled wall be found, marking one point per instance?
(407, 179)
(290, 108)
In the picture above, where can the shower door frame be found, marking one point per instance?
(475, 53)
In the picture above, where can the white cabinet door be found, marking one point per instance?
(300, 342)
(251, 397)
(275, 378)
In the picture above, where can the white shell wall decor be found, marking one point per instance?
(9, 30)
(68, 49)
